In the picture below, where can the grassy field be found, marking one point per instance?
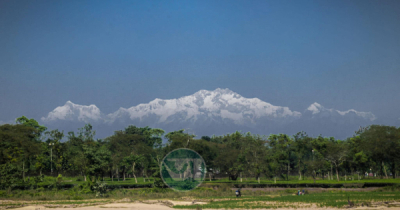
(288, 199)
(217, 194)
(221, 197)
(337, 199)
(135, 194)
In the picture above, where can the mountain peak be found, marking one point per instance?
(315, 108)
(218, 104)
(69, 103)
(71, 112)
(318, 109)
(209, 111)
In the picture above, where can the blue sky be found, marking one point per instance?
(341, 54)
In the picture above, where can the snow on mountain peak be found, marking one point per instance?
(365, 115)
(212, 112)
(71, 111)
(219, 105)
(222, 103)
(317, 108)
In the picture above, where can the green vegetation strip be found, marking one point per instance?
(295, 180)
(319, 199)
(290, 184)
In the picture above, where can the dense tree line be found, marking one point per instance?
(28, 149)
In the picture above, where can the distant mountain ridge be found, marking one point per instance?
(72, 112)
(207, 112)
(318, 110)
(221, 103)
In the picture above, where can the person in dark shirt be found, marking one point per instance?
(238, 194)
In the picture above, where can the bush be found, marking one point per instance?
(56, 183)
(3, 193)
(59, 178)
(100, 188)
(48, 179)
(97, 187)
(8, 176)
(159, 183)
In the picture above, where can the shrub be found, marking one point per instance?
(59, 178)
(3, 193)
(8, 176)
(100, 188)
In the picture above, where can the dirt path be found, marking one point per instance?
(113, 206)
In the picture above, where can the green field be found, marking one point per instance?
(216, 194)
(328, 199)
(221, 197)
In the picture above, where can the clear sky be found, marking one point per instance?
(341, 54)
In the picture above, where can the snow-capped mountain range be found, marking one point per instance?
(317, 109)
(209, 112)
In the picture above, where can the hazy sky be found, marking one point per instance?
(341, 54)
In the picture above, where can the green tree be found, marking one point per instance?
(55, 149)
(357, 157)
(303, 150)
(208, 151)
(231, 157)
(132, 160)
(8, 176)
(382, 143)
(336, 153)
(313, 166)
(255, 149)
(280, 147)
(31, 123)
(149, 136)
(80, 151)
(19, 145)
